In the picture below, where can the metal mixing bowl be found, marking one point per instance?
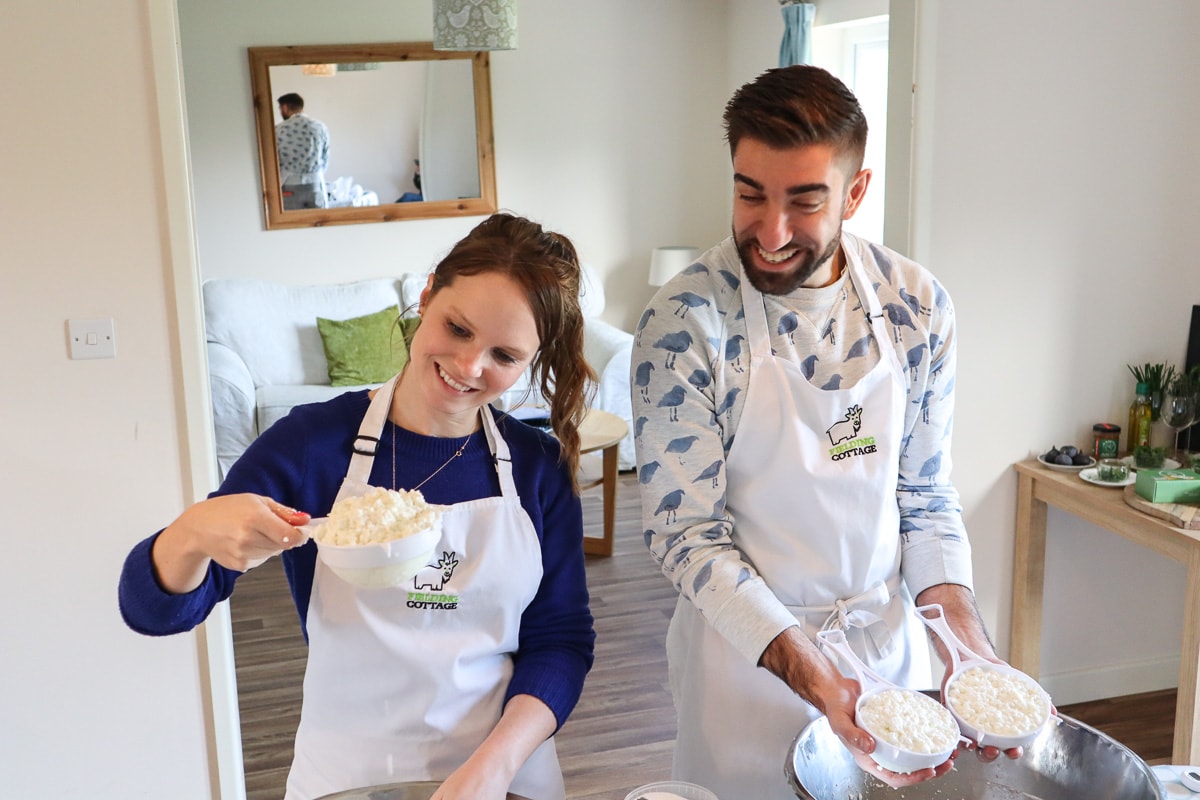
(1068, 761)
(412, 790)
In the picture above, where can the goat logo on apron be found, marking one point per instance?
(844, 439)
(434, 577)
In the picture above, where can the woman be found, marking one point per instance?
(469, 687)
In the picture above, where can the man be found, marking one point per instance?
(792, 420)
(303, 145)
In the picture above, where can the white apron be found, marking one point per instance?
(812, 491)
(403, 684)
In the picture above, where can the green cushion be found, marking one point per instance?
(368, 349)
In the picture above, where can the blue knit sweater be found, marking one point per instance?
(300, 461)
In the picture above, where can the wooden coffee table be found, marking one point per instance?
(603, 431)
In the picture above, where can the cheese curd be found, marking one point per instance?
(381, 515)
(996, 702)
(909, 720)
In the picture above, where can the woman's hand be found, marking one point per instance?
(237, 531)
(487, 774)
(473, 781)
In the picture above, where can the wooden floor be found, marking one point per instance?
(621, 732)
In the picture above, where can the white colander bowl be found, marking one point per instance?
(379, 566)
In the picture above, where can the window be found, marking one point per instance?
(856, 51)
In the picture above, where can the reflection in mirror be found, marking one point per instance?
(386, 132)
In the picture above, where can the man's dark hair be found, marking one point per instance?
(292, 100)
(796, 106)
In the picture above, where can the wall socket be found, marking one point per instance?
(92, 338)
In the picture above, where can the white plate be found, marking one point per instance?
(1091, 475)
(1066, 467)
(1168, 463)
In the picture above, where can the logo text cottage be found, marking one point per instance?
(857, 447)
(435, 601)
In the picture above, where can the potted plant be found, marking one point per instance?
(1157, 378)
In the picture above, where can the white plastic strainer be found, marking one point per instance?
(963, 660)
(889, 754)
(383, 565)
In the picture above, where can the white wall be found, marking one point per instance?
(1058, 191)
(601, 117)
(91, 449)
(1058, 172)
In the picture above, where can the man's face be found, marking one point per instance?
(286, 111)
(788, 208)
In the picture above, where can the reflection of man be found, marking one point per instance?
(303, 145)
(793, 440)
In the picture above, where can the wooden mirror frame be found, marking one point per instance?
(263, 58)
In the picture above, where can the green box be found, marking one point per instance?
(1169, 485)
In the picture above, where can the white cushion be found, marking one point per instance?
(591, 293)
(274, 326)
(275, 401)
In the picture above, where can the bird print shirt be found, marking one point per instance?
(303, 145)
(689, 376)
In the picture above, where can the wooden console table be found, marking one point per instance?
(603, 431)
(1039, 487)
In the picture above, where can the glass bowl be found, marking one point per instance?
(671, 790)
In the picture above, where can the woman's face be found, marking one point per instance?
(477, 336)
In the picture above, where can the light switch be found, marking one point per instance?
(92, 338)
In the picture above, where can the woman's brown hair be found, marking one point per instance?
(546, 266)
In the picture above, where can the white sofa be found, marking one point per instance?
(265, 354)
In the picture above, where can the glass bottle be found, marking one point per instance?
(1139, 418)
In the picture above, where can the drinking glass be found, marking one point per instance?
(1179, 412)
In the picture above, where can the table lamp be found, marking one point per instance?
(668, 261)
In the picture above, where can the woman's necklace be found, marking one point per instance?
(456, 454)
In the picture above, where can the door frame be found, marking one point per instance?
(214, 639)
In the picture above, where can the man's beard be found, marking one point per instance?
(785, 282)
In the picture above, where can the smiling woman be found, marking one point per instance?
(400, 117)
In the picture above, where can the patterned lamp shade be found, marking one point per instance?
(322, 70)
(474, 24)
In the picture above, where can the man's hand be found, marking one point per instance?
(962, 615)
(796, 660)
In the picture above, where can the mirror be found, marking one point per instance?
(409, 133)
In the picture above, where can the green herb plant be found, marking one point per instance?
(1157, 378)
(1149, 457)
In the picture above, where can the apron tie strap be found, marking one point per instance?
(864, 611)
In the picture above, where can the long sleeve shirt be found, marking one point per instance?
(300, 461)
(689, 376)
(303, 145)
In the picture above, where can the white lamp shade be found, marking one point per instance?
(667, 262)
(474, 24)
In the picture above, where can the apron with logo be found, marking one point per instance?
(402, 684)
(812, 481)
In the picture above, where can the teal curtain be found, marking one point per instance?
(796, 47)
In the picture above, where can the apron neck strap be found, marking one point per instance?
(500, 454)
(867, 296)
(366, 443)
